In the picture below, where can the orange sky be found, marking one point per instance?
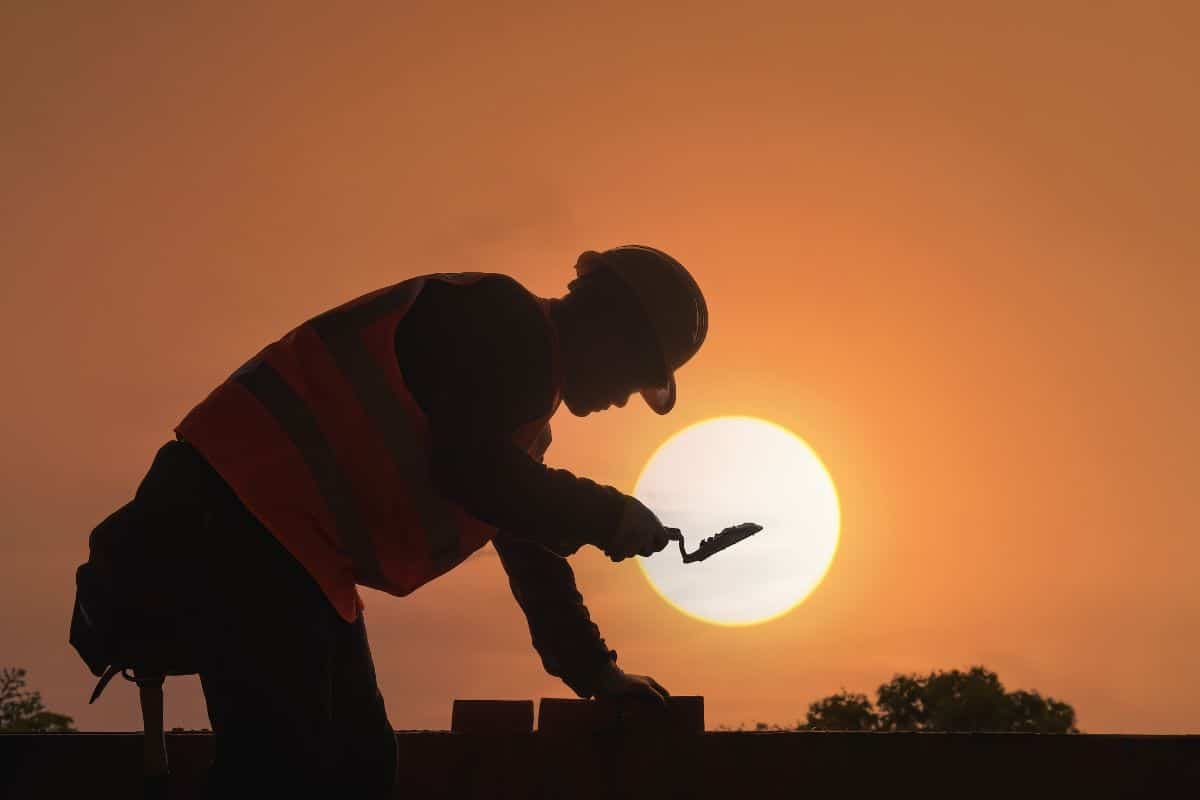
(955, 250)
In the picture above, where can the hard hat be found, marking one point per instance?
(671, 301)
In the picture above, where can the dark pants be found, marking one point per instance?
(290, 686)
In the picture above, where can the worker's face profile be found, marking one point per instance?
(616, 365)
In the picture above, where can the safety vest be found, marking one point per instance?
(321, 440)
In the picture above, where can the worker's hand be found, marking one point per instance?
(621, 687)
(639, 533)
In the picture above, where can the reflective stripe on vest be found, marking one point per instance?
(338, 468)
(290, 412)
(339, 330)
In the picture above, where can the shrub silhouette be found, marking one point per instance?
(974, 700)
(842, 712)
(22, 710)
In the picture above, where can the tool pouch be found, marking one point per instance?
(129, 612)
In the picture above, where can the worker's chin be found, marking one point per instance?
(576, 410)
(581, 409)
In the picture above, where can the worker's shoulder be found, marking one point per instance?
(484, 331)
(479, 305)
(494, 295)
(496, 283)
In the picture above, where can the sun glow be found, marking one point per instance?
(727, 470)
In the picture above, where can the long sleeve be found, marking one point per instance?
(562, 631)
(500, 484)
(477, 360)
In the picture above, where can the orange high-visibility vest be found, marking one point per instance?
(321, 440)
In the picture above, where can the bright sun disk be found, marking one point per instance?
(727, 470)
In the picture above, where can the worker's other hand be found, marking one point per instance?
(619, 686)
(638, 533)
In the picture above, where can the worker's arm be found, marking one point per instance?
(497, 482)
(563, 633)
(477, 360)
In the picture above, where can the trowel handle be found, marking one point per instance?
(677, 535)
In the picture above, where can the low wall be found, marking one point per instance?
(731, 765)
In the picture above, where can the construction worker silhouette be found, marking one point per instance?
(380, 444)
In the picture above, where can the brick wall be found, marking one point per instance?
(664, 767)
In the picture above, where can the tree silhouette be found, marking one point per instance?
(22, 710)
(842, 712)
(974, 700)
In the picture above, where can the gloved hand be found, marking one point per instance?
(638, 533)
(619, 686)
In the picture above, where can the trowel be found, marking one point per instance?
(715, 543)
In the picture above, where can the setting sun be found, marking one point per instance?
(728, 470)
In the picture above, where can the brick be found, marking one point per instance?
(683, 714)
(492, 716)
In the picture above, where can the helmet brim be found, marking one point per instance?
(661, 399)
